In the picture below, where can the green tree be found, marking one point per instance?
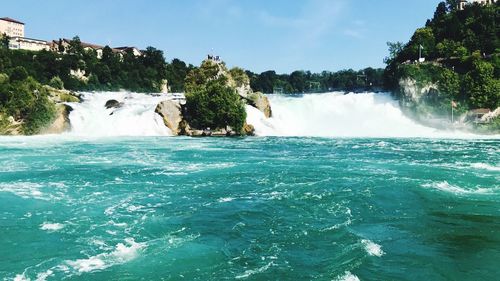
(4, 41)
(394, 51)
(480, 85)
(215, 105)
(176, 73)
(440, 12)
(211, 101)
(75, 46)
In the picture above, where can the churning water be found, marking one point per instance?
(257, 208)
(135, 116)
(339, 115)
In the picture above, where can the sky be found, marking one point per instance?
(257, 35)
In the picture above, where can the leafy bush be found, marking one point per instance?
(56, 82)
(27, 101)
(4, 78)
(19, 73)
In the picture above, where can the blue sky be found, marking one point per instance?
(257, 35)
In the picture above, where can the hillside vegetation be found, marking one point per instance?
(461, 50)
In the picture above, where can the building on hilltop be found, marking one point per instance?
(464, 3)
(15, 30)
(30, 44)
(134, 50)
(11, 27)
(61, 46)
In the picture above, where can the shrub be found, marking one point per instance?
(56, 82)
(18, 74)
(4, 78)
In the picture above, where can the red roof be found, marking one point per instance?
(11, 20)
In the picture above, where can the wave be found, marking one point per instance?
(372, 248)
(483, 166)
(122, 253)
(348, 276)
(339, 115)
(444, 186)
(49, 226)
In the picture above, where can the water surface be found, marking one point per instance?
(159, 208)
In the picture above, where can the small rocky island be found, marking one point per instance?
(214, 103)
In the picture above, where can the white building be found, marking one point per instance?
(23, 43)
(134, 50)
(11, 27)
(463, 3)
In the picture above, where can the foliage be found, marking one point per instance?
(461, 48)
(27, 100)
(114, 71)
(211, 101)
(177, 71)
(4, 41)
(18, 73)
(305, 81)
(480, 86)
(239, 76)
(56, 82)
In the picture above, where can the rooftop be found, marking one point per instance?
(11, 20)
(481, 111)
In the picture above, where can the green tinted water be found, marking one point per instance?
(249, 209)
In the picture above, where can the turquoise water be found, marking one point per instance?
(249, 209)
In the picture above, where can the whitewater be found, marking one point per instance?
(134, 117)
(314, 115)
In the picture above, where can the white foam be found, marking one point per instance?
(51, 226)
(251, 272)
(484, 166)
(136, 117)
(123, 252)
(372, 248)
(42, 276)
(24, 190)
(225, 199)
(348, 276)
(449, 188)
(21, 277)
(338, 115)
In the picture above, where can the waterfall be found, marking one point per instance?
(134, 117)
(339, 115)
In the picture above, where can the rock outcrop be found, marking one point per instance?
(9, 126)
(261, 102)
(171, 112)
(249, 129)
(61, 123)
(414, 91)
(60, 96)
(113, 104)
